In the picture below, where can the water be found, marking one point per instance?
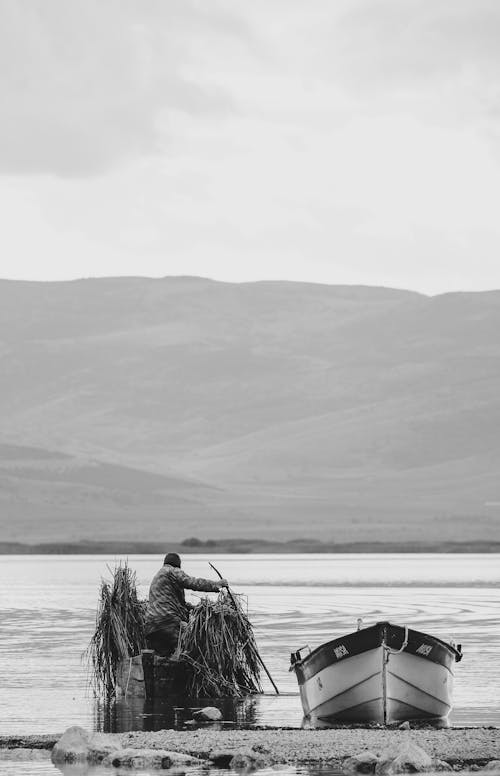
(29, 768)
(47, 609)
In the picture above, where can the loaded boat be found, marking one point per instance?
(384, 673)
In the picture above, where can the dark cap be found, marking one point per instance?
(172, 559)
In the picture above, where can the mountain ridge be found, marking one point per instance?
(358, 411)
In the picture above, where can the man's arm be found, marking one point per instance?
(198, 583)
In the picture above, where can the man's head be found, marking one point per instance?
(172, 559)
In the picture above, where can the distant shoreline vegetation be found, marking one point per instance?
(194, 545)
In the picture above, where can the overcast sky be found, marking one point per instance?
(338, 141)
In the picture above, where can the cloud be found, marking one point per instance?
(86, 85)
(436, 60)
(419, 39)
(346, 141)
(447, 49)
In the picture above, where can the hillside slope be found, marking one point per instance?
(184, 406)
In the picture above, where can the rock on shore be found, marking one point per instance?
(463, 747)
(76, 745)
(351, 750)
(380, 751)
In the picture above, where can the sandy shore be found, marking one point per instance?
(460, 747)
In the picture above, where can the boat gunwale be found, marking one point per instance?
(457, 653)
(380, 625)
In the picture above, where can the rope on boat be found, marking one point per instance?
(391, 651)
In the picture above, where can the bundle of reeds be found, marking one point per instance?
(119, 631)
(219, 651)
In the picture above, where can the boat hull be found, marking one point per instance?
(149, 675)
(363, 677)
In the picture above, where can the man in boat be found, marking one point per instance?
(167, 609)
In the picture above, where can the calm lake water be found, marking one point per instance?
(47, 610)
(30, 768)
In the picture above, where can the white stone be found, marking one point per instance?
(148, 758)
(250, 760)
(404, 758)
(72, 747)
(209, 713)
(100, 745)
(364, 762)
(76, 745)
(441, 765)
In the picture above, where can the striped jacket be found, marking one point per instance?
(167, 604)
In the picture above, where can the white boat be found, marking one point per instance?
(384, 673)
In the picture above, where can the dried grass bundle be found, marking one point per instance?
(119, 631)
(219, 651)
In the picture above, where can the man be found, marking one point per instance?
(167, 608)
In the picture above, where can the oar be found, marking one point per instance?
(235, 606)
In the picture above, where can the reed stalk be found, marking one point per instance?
(219, 651)
(119, 630)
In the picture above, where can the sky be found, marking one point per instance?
(333, 141)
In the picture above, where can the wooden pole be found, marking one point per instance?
(236, 607)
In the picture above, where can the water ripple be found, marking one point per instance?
(47, 609)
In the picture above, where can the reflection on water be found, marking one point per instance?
(47, 769)
(284, 770)
(30, 768)
(314, 722)
(123, 714)
(47, 609)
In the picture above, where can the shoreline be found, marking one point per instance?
(461, 748)
(246, 547)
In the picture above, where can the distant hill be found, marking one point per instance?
(154, 410)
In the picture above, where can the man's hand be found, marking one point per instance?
(223, 583)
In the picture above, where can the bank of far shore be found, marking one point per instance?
(242, 547)
(461, 748)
